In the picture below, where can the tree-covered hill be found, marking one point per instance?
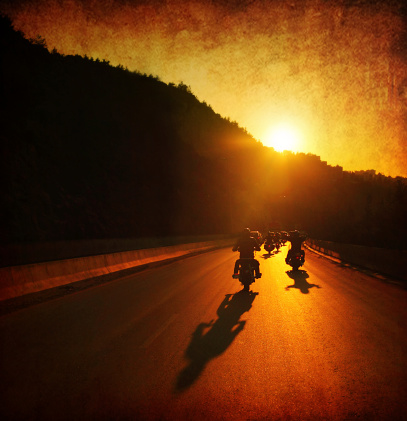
(89, 150)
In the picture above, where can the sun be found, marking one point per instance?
(283, 137)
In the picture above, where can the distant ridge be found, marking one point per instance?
(91, 151)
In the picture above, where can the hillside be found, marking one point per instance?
(92, 151)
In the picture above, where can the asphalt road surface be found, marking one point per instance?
(184, 342)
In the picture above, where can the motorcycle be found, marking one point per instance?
(278, 245)
(295, 260)
(246, 273)
(269, 247)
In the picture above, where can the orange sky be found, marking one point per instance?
(336, 71)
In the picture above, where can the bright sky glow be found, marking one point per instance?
(338, 67)
(283, 138)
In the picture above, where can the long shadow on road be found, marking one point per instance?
(212, 339)
(300, 281)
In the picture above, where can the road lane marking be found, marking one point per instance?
(158, 332)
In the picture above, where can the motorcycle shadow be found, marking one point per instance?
(212, 339)
(300, 281)
(268, 255)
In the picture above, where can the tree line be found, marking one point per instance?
(89, 150)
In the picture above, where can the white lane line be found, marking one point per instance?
(158, 332)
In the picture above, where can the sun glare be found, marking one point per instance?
(283, 138)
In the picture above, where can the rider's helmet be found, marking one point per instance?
(295, 233)
(246, 232)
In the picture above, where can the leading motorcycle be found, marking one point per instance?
(246, 273)
(295, 260)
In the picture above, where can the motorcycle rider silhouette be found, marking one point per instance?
(296, 241)
(246, 245)
(269, 242)
(270, 237)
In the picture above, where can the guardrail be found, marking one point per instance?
(19, 280)
(387, 262)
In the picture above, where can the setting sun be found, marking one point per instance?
(283, 138)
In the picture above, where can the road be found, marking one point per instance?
(183, 342)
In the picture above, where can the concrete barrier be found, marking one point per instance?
(16, 281)
(387, 262)
(45, 251)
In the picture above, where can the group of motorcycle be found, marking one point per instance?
(248, 267)
(270, 245)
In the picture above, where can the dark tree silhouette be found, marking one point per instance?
(93, 151)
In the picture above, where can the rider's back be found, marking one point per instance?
(296, 242)
(246, 247)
